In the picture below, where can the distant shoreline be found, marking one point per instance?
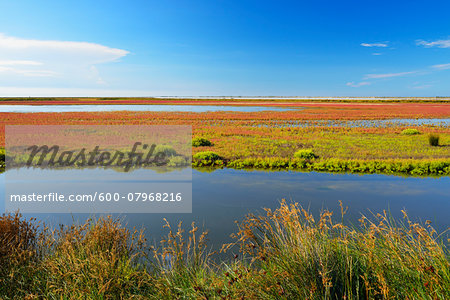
(213, 100)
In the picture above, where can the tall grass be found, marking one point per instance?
(282, 254)
(98, 259)
(2, 159)
(306, 259)
(18, 253)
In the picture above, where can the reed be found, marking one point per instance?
(284, 253)
(302, 258)
(18, 253)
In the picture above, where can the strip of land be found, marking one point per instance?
(270, 140)
(226, 100)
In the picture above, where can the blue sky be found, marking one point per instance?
(285, 48)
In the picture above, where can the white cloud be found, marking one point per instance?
(441, 67)
(369, 77)
(28, 73)
(387, 75)
(383, 45)
(66, 61)
(20, 91)
(95, 75)
(19, 63)
(438, 43)
(377, 53)
(357, 84)
(422, 87)
(88, 52)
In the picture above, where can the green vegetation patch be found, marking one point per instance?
(201, 142)
(305, 154)
(410, 131)
(407, 167)
(207, 158)
(166, 149)
(176, 161)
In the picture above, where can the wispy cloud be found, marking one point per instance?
(19, 63)
(422, 87)
(28, 73)
(89, 52)
(21, 91)
(441, 67)
(438, 43)
(388, 75)
(357, 84)
(69, 61)
(383, 45)
(16, 67)
(368, 78)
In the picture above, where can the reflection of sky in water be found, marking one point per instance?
(359, 123)
(223, 196)
(99, 174)
(91, 108)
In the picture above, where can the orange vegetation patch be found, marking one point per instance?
(233, 120)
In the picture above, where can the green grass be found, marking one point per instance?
(339, 149)
(407, 167)
(401, 165)
(281, 254)
(332, 143)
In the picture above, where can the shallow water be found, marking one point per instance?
(223, 196)
(360, 123)
(95, 108)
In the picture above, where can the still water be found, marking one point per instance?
(95, 108)
(223, 196)
(359, 123)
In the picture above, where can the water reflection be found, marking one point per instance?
(223, 196)
(359, 123)
(95, 108)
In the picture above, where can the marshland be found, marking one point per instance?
(291, 200)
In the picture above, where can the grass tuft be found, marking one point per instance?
(433, 139)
